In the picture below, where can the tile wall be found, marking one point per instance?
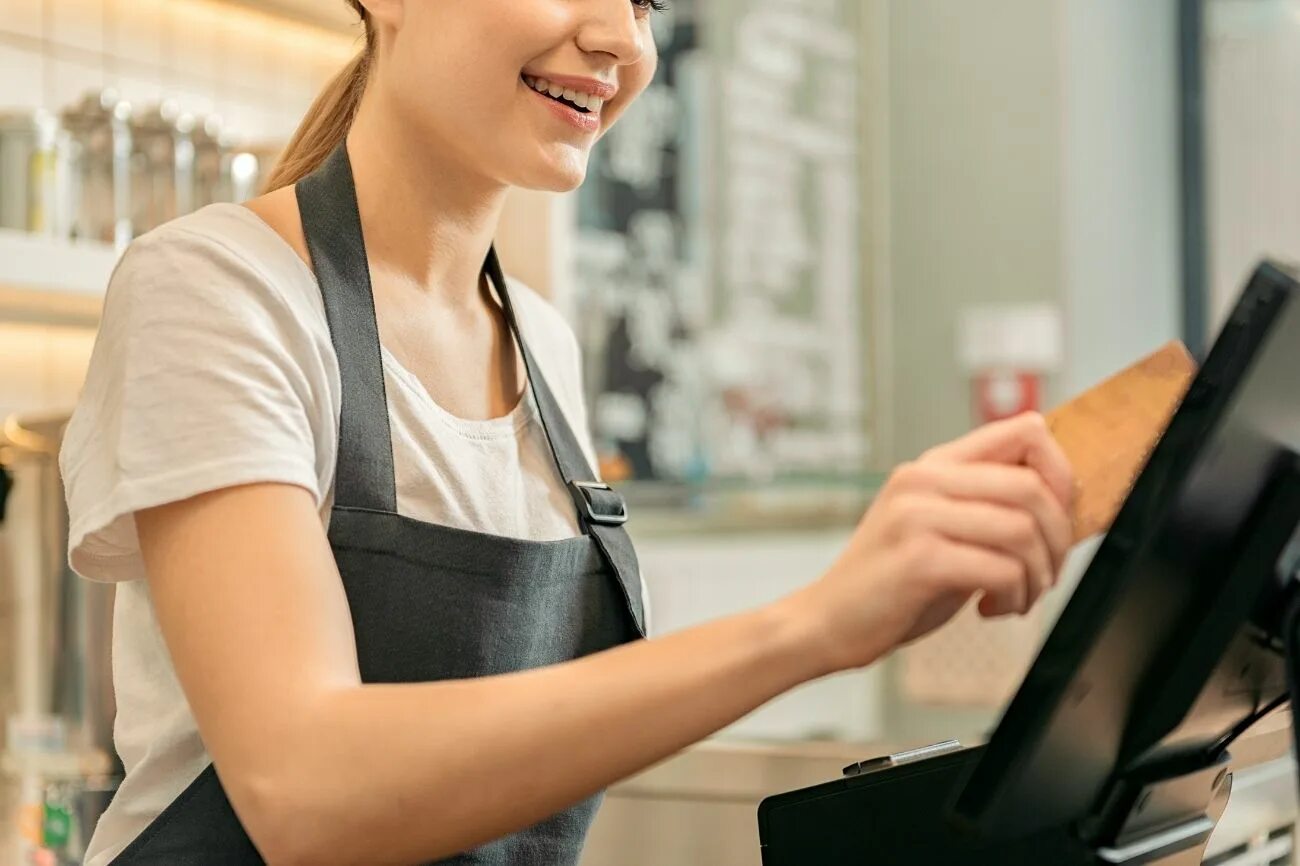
(256, 71)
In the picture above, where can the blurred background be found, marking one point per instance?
(833, 234)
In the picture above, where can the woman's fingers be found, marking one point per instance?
(1004, 580)
(1009, 531)
(1025, 440)
(972, 519)
(1014, 487)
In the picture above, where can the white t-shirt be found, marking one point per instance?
(214, 367)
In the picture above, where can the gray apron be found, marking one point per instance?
(431, 602)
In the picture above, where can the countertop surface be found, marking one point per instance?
(700, 806)
(737, 770)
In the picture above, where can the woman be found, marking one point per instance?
(372, 606)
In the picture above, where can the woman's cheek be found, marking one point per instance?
(632, 86)
(611, 116)
(645, 70)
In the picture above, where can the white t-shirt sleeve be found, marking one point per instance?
(204, 376)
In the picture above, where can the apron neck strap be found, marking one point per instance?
(331, 220)
(364, 477)
(602, 511)
(597, 504)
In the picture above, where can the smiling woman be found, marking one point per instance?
(374, 604)
(459, 60)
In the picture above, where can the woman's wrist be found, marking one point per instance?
(812, 637)
(801, 634)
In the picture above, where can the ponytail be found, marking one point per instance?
(329, 118)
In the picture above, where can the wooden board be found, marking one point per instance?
(1109, 432)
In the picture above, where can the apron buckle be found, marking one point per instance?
(598, 503)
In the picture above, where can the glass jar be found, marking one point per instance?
(99, 168)
(30, 172)
(162, 166)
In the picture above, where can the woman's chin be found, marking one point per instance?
(555, 172)
(568, 184)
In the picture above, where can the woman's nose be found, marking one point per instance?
(611, 27)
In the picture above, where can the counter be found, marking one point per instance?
(699, 808)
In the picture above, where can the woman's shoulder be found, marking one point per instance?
(210, 369)
(222, 253)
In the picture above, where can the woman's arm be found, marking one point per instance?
(322, 769)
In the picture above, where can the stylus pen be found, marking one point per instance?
(901, 758)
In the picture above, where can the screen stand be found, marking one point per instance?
(1164, 812)
(1170, 821)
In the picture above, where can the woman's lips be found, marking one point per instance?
(589, 122)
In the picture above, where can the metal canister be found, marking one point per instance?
(30, 172)
(212, 180)
(99, 167)
(162, 166)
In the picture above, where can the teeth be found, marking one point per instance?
(555, 91)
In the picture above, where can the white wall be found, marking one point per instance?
(1120, 194)
(41, 367)
(976, 165)
(696, 579)
(1034, 158)
(1253, 123)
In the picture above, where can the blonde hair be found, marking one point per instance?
(329, 118)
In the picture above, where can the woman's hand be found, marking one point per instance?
(987, 515)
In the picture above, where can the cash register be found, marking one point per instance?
(1121, 745)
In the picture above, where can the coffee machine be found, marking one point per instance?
(58, 768)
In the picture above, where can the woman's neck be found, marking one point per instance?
(428, 222)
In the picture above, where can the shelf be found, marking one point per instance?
(47, 280)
